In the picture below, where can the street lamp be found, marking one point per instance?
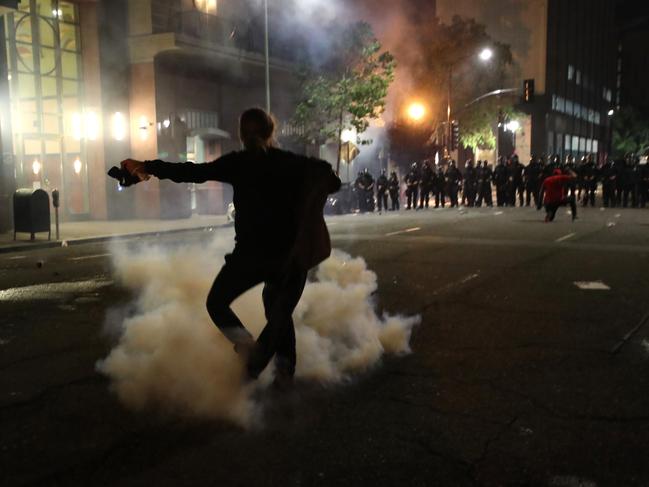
(267, 56)
(485, 56)
(416, 111)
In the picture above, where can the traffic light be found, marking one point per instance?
(455, 136)
(528, 90)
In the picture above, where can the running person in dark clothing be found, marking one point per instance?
(554, 193)
(280, 234)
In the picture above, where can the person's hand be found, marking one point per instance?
(135, 168)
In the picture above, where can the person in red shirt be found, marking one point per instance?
(554, 193)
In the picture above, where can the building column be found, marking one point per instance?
(7, 165)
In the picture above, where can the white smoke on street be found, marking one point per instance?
(171, 357)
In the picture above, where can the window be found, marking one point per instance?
(207, 6)
(575, 143)
(578, 77)
(595, 146)
(571, 72)
(567, 143)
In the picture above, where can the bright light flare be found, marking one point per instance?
(348, 135)
(36, 167)
(416, 111)
(77, 166)
(486, 54)
(119, 126)
(611, 112)
(513, 126)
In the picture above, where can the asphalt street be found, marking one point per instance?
(530, 366)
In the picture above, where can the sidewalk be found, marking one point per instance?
(72, 233)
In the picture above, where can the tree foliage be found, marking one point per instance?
(452, 49)
(348, 89)
(630, 132)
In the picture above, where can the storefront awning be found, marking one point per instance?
(210, 133)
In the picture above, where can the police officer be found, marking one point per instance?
(515, 179)
(426, 185)
(629, 182)
(359, 191)
(412, 186)
(470, 191)
(569, 167)
(393, 188)
(453, 182)
(500, 180)
(439, 186)
(608, 173)
(532, 180)
(643, 186)
(484, 175)
(382, 191)
(368, 188)
(588, 172)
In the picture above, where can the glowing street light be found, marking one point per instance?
(486, 54)
(611, 112)
(77, 166)
(119, 126)
(416, 111)
(348, 135)
(36, 167)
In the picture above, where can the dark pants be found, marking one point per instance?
(452, 194)
(412, 195)
(501, 194)
(283, 286)
(608, 194)
(551, 208)
(440, 198)
(588, 195)
(424, 197)
(394, 197)
(531, 191)
(485, 193)
(382, 200)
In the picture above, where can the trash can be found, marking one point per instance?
(32, 212)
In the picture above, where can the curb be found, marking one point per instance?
(50, 244)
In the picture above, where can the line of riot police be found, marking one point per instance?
(624, 183)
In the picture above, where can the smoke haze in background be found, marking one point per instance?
(171, 357)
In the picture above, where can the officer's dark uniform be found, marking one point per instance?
(439, 187)
(426, 185)
(453, 181)
(470, 184)
(412, 187)
(608, 174)
(532, 181)
(643, 186)
(360, 192)
(382, 191)
(515, 181)
(484, 175)
(500, 180)
(588, 173)
(393, 188)
(368, 190)
(628, 183)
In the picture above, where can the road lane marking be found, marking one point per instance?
(631, 332)
(52, 291)
(17, 257)
(498, 213)
(408, 230)
(565, 237)
(592, 285)
(88, 257)
(454, 284)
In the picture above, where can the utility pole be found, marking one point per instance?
(267, 54)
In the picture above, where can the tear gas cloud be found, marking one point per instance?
(171, 358)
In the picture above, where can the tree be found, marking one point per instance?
(443, 50)
(477, 122)
(348, 89)
(630, 132)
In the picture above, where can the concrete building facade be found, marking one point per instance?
(91, 82)
(568, 49)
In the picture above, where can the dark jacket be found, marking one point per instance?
(278, 196)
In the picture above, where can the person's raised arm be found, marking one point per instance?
(188, 172)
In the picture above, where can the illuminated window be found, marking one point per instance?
(207, 6)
